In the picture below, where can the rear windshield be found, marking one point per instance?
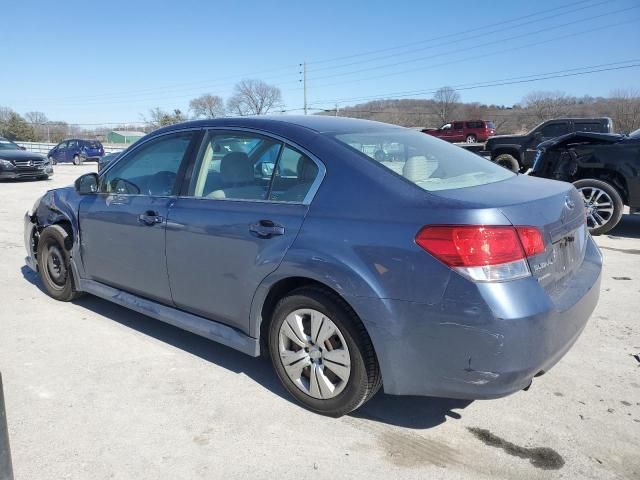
(93, 144)
(491, 125)
(427, 162)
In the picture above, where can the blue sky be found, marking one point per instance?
(107, 62)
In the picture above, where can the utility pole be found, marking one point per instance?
(304, 81)
(336, 110)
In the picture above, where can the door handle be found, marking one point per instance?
(266, 229)
(150, 218)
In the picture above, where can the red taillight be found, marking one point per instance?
(531, 239)
(471, 245)
(483, 253)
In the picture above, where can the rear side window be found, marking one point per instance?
(423, 160)
(293, 177)
(457, 126)
(247, 166)
(475, 124)
(235, 166)
(588, 127)
(555, 130)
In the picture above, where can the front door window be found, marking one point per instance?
(151, 169)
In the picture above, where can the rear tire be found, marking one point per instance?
(603, 203)
(507, 161)
(54, 263)
(77, 160)
(333, 373)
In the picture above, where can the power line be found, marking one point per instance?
(512, 82)
(208, 84)
(458, 37)
(408, 93)
(475, 57)
(482, 45)
(492, 25)
(186, 95)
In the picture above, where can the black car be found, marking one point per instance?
(516, 152)
(15, 162)
(605, 168)
(77, 151)
(107, 159)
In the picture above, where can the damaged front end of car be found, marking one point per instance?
(56, 207)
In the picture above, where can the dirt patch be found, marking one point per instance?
(408, 450)
(540, 457)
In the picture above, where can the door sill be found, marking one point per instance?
(203, 327)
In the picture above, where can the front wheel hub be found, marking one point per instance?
(314, 353)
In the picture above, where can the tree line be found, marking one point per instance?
(255, 97)
(622, 106)
(249, 97)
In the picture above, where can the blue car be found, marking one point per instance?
(425, 270)
(77, 151)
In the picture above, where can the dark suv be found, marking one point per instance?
(469, 131)
(605, 168)
(77, 151)
(516, 152)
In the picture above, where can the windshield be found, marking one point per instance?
(8, 145)
(635, 134)
(427, 162)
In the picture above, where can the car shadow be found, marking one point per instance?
(403, 411)
(410, 411)
(629, 227)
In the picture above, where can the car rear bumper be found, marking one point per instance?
(90, 158)
(482, 342)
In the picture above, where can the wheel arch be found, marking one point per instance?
(278, 285)
(613, 178)
(56, 208)
(512, 150)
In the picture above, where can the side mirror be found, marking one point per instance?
(87, 184)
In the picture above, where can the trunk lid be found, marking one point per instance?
(556, 208)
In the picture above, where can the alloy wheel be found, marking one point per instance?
(314, 353)
(598, 204)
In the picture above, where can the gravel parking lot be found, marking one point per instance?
(96, 391)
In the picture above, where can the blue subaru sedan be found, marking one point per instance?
(355, 254)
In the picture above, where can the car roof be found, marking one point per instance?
(316, 123)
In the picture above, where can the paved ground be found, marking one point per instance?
(96, 391)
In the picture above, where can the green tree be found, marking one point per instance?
(14, 127)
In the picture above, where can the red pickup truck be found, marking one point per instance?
(470, 131)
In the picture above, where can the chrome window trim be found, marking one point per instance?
(315, 185)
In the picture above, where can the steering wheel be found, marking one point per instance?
(161, 183)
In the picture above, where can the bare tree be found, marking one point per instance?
(625, 110)
(446, 102)
(38, 121)
(159, 118)
(254, 97)
(544, 106)
(207, 106)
